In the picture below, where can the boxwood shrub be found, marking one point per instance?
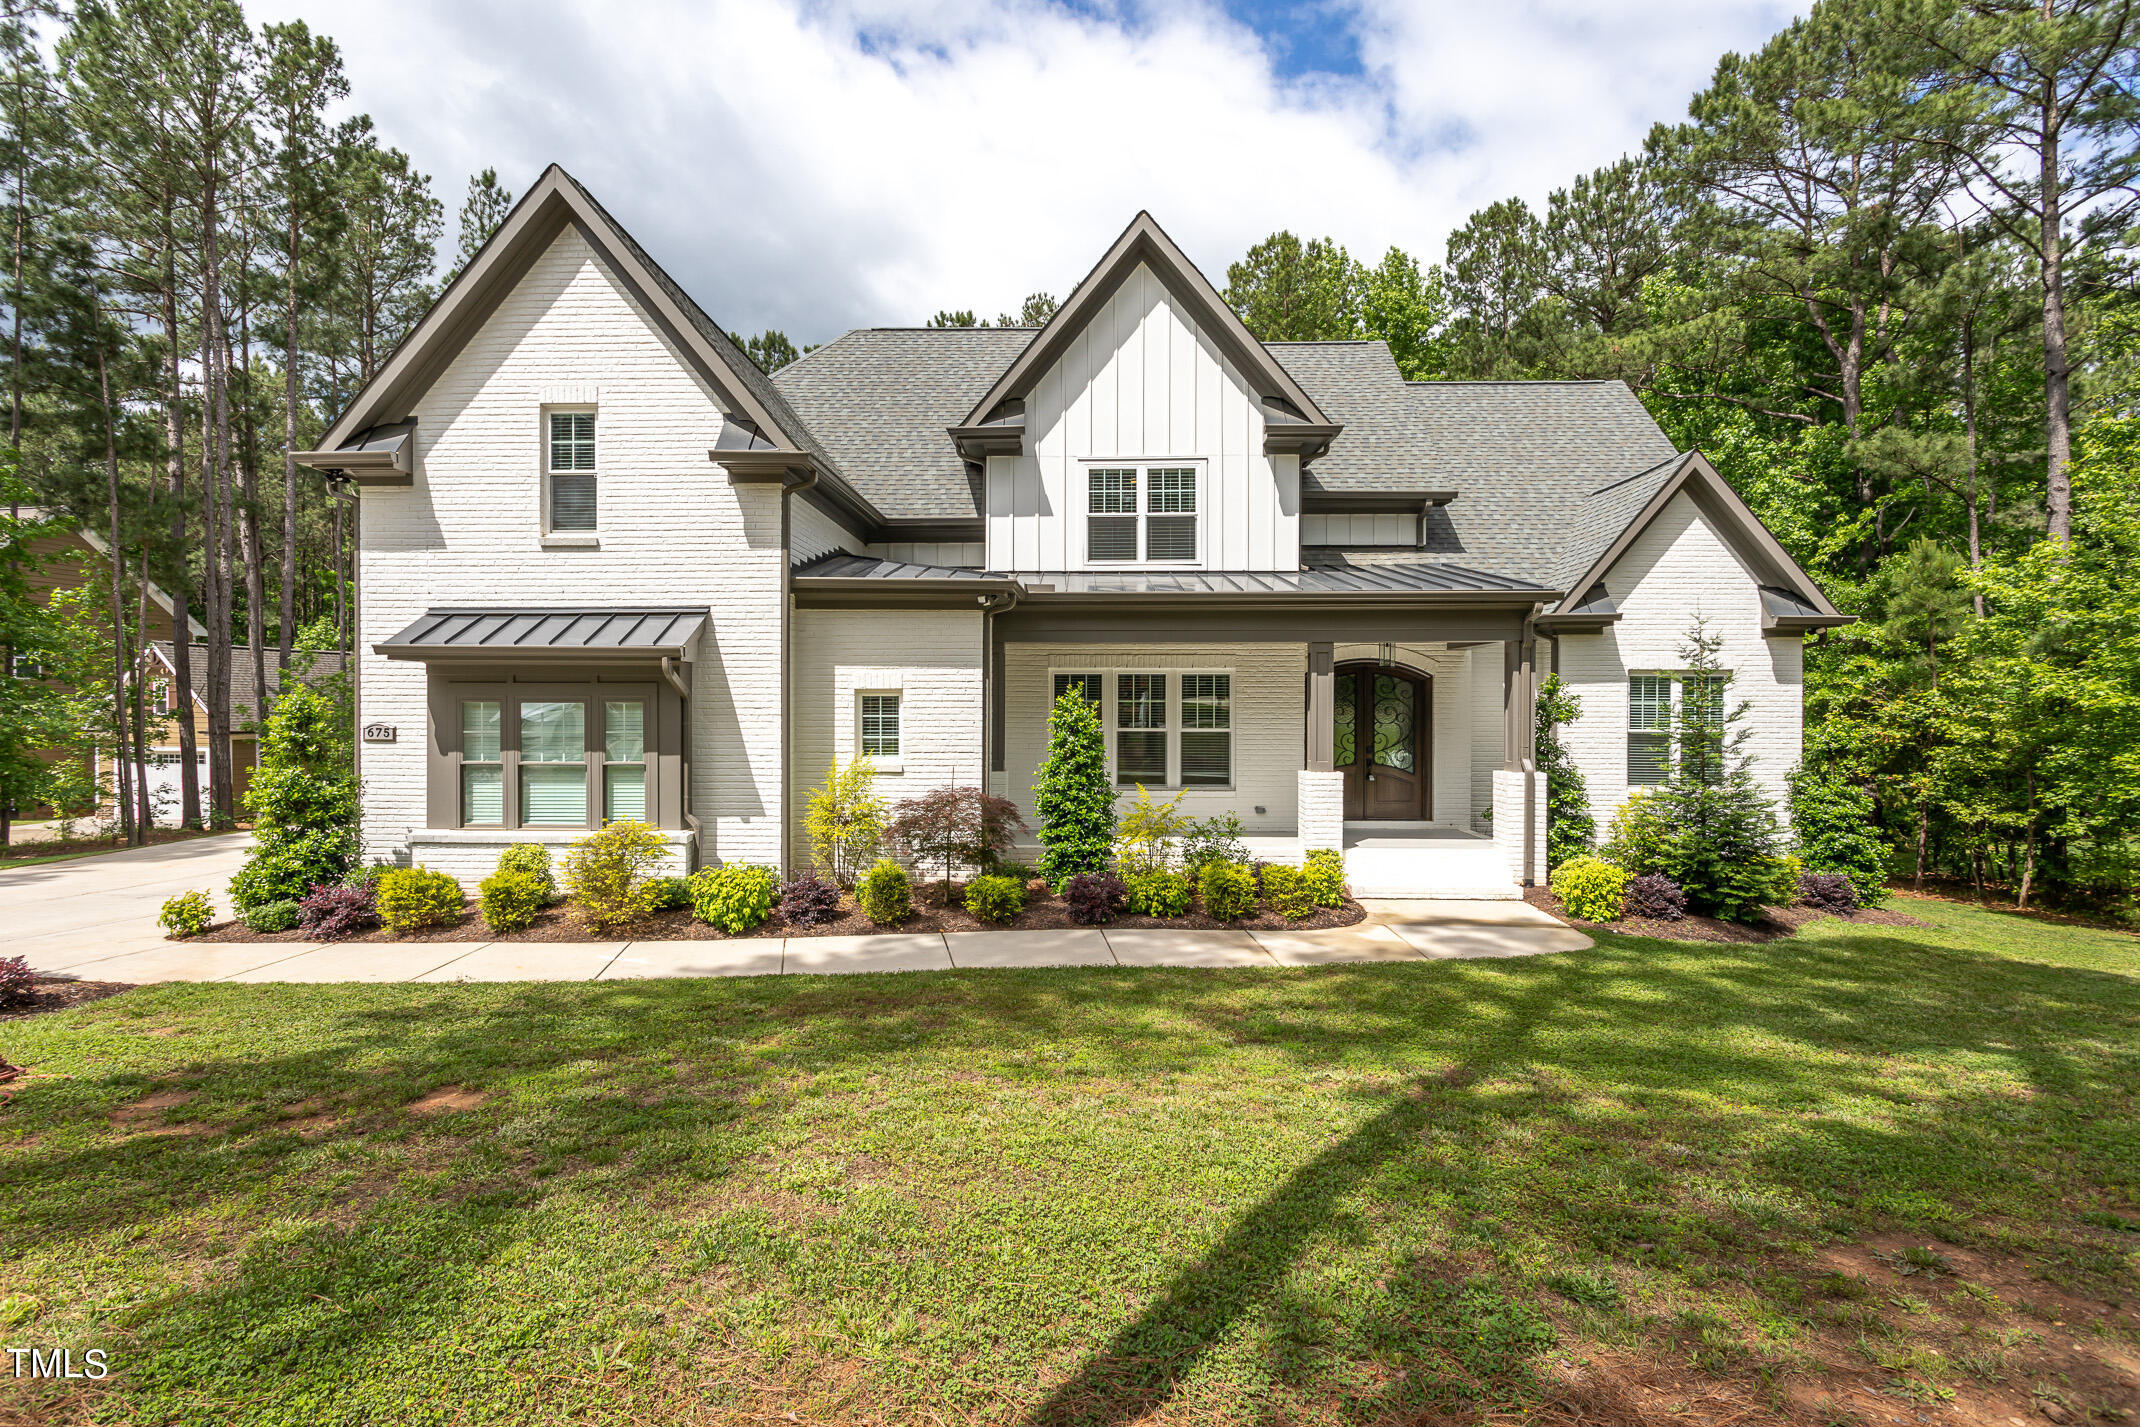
(996, 899)
(412, 898)
(511, 898)
(1325, 871)
(1288, 891)
(1159, 893)
(735, 897)
(1591, 889)
(1228, 890)
(886, 894)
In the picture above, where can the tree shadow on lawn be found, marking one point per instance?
(639, 1091)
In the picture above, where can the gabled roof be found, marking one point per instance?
(244, 698)
(554, 203)
(1144, 241)
(1791, 602)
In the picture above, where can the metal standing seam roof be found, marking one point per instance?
(1389, 579)
(604, 631)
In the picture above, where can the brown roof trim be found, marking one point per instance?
(1735, 520)
(1144, 241)
(1395, 502)
(554, 203)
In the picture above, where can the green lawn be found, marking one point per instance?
(1100, 1196)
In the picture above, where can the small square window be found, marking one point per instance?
(880, 725)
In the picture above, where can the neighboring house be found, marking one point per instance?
(607, 568)
(73, 559)
(161, 669)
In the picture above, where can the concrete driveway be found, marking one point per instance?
(65, 916)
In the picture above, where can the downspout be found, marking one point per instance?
(991, 606)
(790, 484)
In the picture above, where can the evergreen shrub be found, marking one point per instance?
(533, 859)
(995, 899)
(886, 894)
(1072, 795)
(1158, 893)
(611, 873)
(1325, 871)
(1592, 889)
(1228, 890)
(303, 802)
(1832, 820)
(187, 914)
(1287, 890)
(269, 918)
(511, 898)
(412, 898)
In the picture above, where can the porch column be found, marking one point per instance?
(1321, 819)
(1519, 801)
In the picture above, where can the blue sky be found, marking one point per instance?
(816, 165)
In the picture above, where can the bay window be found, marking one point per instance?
(551, 755)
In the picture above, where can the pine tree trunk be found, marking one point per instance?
(289, 445)
(144, 811)
(249, 532)
(189, 782)
(2057, 384)
(122, 783)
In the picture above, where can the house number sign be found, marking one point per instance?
(379, 733)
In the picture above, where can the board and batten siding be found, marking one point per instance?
(1676, 569)
(1142, 382)
(1268, 713)
(674, 531)
(1381, 528)
(930, 658)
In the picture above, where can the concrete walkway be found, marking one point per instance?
(96, 920)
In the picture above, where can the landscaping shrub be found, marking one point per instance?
(809, 901)
(412, 898)
(1008, 868)
(1208, 840)
(1638, 839)
(1071, 792)
(1655, 897)
(610, 873)
(1592, 889)
(18, 984)
(1158, 894)
(1828, 892)
(845, 822)
(735, 897)
(995, 899)
(1147, 834)
(1286, 889)
(187, 914)
(532, 858)
(1570, 830)
(954, 828)
(327, 913)
(365, 877)
(270, 917)
(1832, 820)
(303, 801)
(671, 893)
(1228, 890)
(511, 897)
(885, 894)
(1325, 870)
(1095, 898)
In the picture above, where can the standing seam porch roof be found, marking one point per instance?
(644, 632)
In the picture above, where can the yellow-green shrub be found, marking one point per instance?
(511, 898)
(1288, 891)
(412, 898)
(187, 914)
(885, 894)
(1158, 894)
(1228, 890)
(1590, 888)
(736, 897)
(995, 899)
(610, 873)
(1325, 871)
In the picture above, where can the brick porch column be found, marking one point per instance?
(1321, 821)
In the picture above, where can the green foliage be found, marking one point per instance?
(1228, 890)
(412, 898)
(269, 918)
(33, 712)
(995, 899)
(511, 898)
(1592, 889)
(735, 897)
(1072, 795)
(671, 893)
(303, 801)
(1158, 893)
(610, 873)
(187, 914)
(1288, 891)
(1570, 831)
(1639, 838)
(1146, 837)
(845, 822)
(532, 859)
(1832, 821)
(885, 894)
(1212, 839)
(1325, 871)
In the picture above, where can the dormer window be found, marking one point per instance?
(1142, 515)
(571, 470)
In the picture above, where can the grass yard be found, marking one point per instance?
(1868, 1174)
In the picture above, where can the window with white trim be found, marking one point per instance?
(1653, 705)
(879, 726)
(1092, 686)
(1143, 515)
(1163, 729)
(558, 756)
(1206, 730)
(571, 470)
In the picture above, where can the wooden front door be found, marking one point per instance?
(1384, 742)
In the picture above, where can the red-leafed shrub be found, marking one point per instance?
(809, 901)
(1095, 898)
(1656, 897)
(1828, 892)
(17, 982)
(329, 912)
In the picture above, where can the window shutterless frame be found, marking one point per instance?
(1146, 513)
(1165, 728)
(512, 755)
(1653, 705)
(569, 465)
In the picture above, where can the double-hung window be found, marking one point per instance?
(880, 725)
(555, 757)
(570, 461)
(553, 763)
(482, 763)
(1653, 703)
(1206, 730)
(1142, 514)
(623, 760)
(1140, 729)
(1163, 729)
(1091, 686)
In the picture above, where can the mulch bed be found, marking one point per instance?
(1044, 911)
(57, 993)
(1775, 924)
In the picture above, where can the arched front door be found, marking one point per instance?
(1383, 742)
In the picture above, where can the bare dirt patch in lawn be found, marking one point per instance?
(61, 993)
(448, 1100)
(146, 1115)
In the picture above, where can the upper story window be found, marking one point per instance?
(1143, 514)
(571, 470)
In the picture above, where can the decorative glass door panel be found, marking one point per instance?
(1382, 742)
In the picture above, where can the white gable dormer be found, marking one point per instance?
(1143, 430)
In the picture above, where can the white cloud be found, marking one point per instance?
(816, 166)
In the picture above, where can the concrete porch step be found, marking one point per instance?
(1429, 869)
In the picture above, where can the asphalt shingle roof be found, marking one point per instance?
(244, 698)
(880, 399)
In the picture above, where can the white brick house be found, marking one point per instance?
(607, 568)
